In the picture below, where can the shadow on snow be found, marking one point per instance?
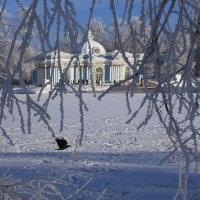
(110, 175)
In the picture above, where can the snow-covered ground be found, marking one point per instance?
(115, 161)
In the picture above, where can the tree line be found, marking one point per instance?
(8, 25)
(134, 35)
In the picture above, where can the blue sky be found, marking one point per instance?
(101, 10)
(82, 7)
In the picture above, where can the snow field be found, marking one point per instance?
(116, 161)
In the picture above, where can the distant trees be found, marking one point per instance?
(3, 54)
(106, 35)
(4, 42)
(27, 63)
(141, 34)
(98, 30)
(7, 28)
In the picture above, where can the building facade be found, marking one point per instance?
(93, 63)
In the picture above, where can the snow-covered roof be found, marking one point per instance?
(93, 46)
(116, 55)
(53, 54)
(97, 51)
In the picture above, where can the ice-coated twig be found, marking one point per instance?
(79, 189)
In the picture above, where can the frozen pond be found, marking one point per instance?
(115, 161)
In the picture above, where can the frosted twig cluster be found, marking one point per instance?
(172, 49)
(167, 32)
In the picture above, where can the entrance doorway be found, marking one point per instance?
(99, 76)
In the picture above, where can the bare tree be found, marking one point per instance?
(176, 57)
(4, 41)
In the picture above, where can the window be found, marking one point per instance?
(35, 75)
(48, 57)
(48, 72)
(99, 75)
(107, 72)
(86, 56)
(127, 72)
(96, 50)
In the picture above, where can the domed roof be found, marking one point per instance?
(96, 48)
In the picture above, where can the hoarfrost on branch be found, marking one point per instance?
(167, 32)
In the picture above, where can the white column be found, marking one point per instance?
(123, 73)
(103, 78)
(118, 72)
(82, 70)
(74, 73)
(115, 73)
(88, 73)
(58, 74)
(110, 73)
(77, 74)
(54, 74)
(44, 80)
(71, 74)
(85, 72)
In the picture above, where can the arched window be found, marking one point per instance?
(95, 50)
(99, 75)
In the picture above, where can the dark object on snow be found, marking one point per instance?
(62, 143)
(197, 105)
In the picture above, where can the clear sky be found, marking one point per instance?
(102, 9)
(82, 7)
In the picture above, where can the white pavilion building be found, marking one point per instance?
(103, 67)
